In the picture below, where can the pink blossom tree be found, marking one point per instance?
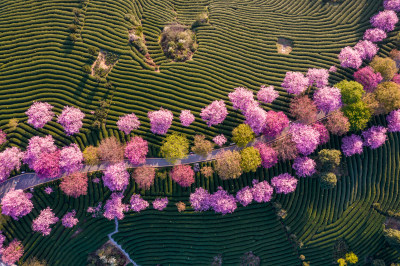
(183, 175)
(352, 145)
(200, 200)
(385, 20)
(10, 159)
(284, 183)
(350, 57)
(128, 123)
(114, 208)
(392, 5)
(160, 121)
(214, 113)
(144, 176)
(323, 132)
(75, 185)
(116, 178)
(269, 156)
(295, 82)
(333, 69)
(136, 150)
(69, 219)
(71, 158)
(318, 77)
(328, 99)
(160, 203)
(267, 94)
(12, 253)
(305, 137)
(3, 137)
(304, 166)
(186, 118)
(222, 202)
(16, 203)
(71, 119)
(244, 196)
(39, 114)
(220, 140)
(36, 147)
(262, 191)
(48, 165)
(43, 221)
(393, 120)
(375, 35)
(275, 122)
(374, 137)
(255, 118)
(366, 49)
(138, 204)
(367, 77)
(304, 109)
(241, 98)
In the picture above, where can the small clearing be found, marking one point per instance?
(284, 45)
(104, 63)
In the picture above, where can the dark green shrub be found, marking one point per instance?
(388, 96)
(87, 69)
(76, 11)
(329, 159)
(178, 42)
(93, 50)
(72, 28)
(385, 66)
(392, 236)
(328, 180)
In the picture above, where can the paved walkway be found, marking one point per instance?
(119, 246)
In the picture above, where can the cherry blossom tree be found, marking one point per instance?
(337, 123)
(295, 82)
(367, 77)
(385, 20)
(71, 158)
(241, 98)
(43, 222)
(352, 145)
(350, 57)
(318, 77)
(114, 208)
(10, 159)
(215, 113)
(138, 204)
(392, 5)
(375, 35)
(186, 118)
(48, 190)
(333, 69)
(144, 176)
(275, 123)
(304, 166)
(303, 108)
(200, 200)
(262, 191)
(220, 140)
(71, 119)
(128, 123)
(366, 49)
(183, 175)
(222, 202)
(267, 94)
(69, 219)
(255, 117)
(39, 114)
(160, 121)
(36, 147)
(323, 132)
(116, 178)
(110, 149)
(374, 137)
(284, 183)
(202, 146)
(328, 99)
(305, 137)
(136, 150)
(3, 137)
(244, 196)
(48, 165)
(16, 203)
(75, 185)
(160, 203)
(393, 120)
(269, 156)
(285, 148)
(12, 253)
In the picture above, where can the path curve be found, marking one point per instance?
(117, 245)
(30, 180)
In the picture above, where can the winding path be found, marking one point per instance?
(119, 246)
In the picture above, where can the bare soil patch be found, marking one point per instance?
(284, 45)
(104, 63)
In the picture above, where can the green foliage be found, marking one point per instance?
(392, 236)
(202, 146)
(72, 28)
(201, 19)
(385, 66)
(100, 114)
(178, 42)
(351, 91)
(388, 95)
(351, 258)
(227, 165)
(74, 37)
(93, 50)
(33, 262)
(329, 159)
(358, 114)
(87, 69)
(175, 147)
(250, 159)
(242, 135)
(328, 180)
(91, 155)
